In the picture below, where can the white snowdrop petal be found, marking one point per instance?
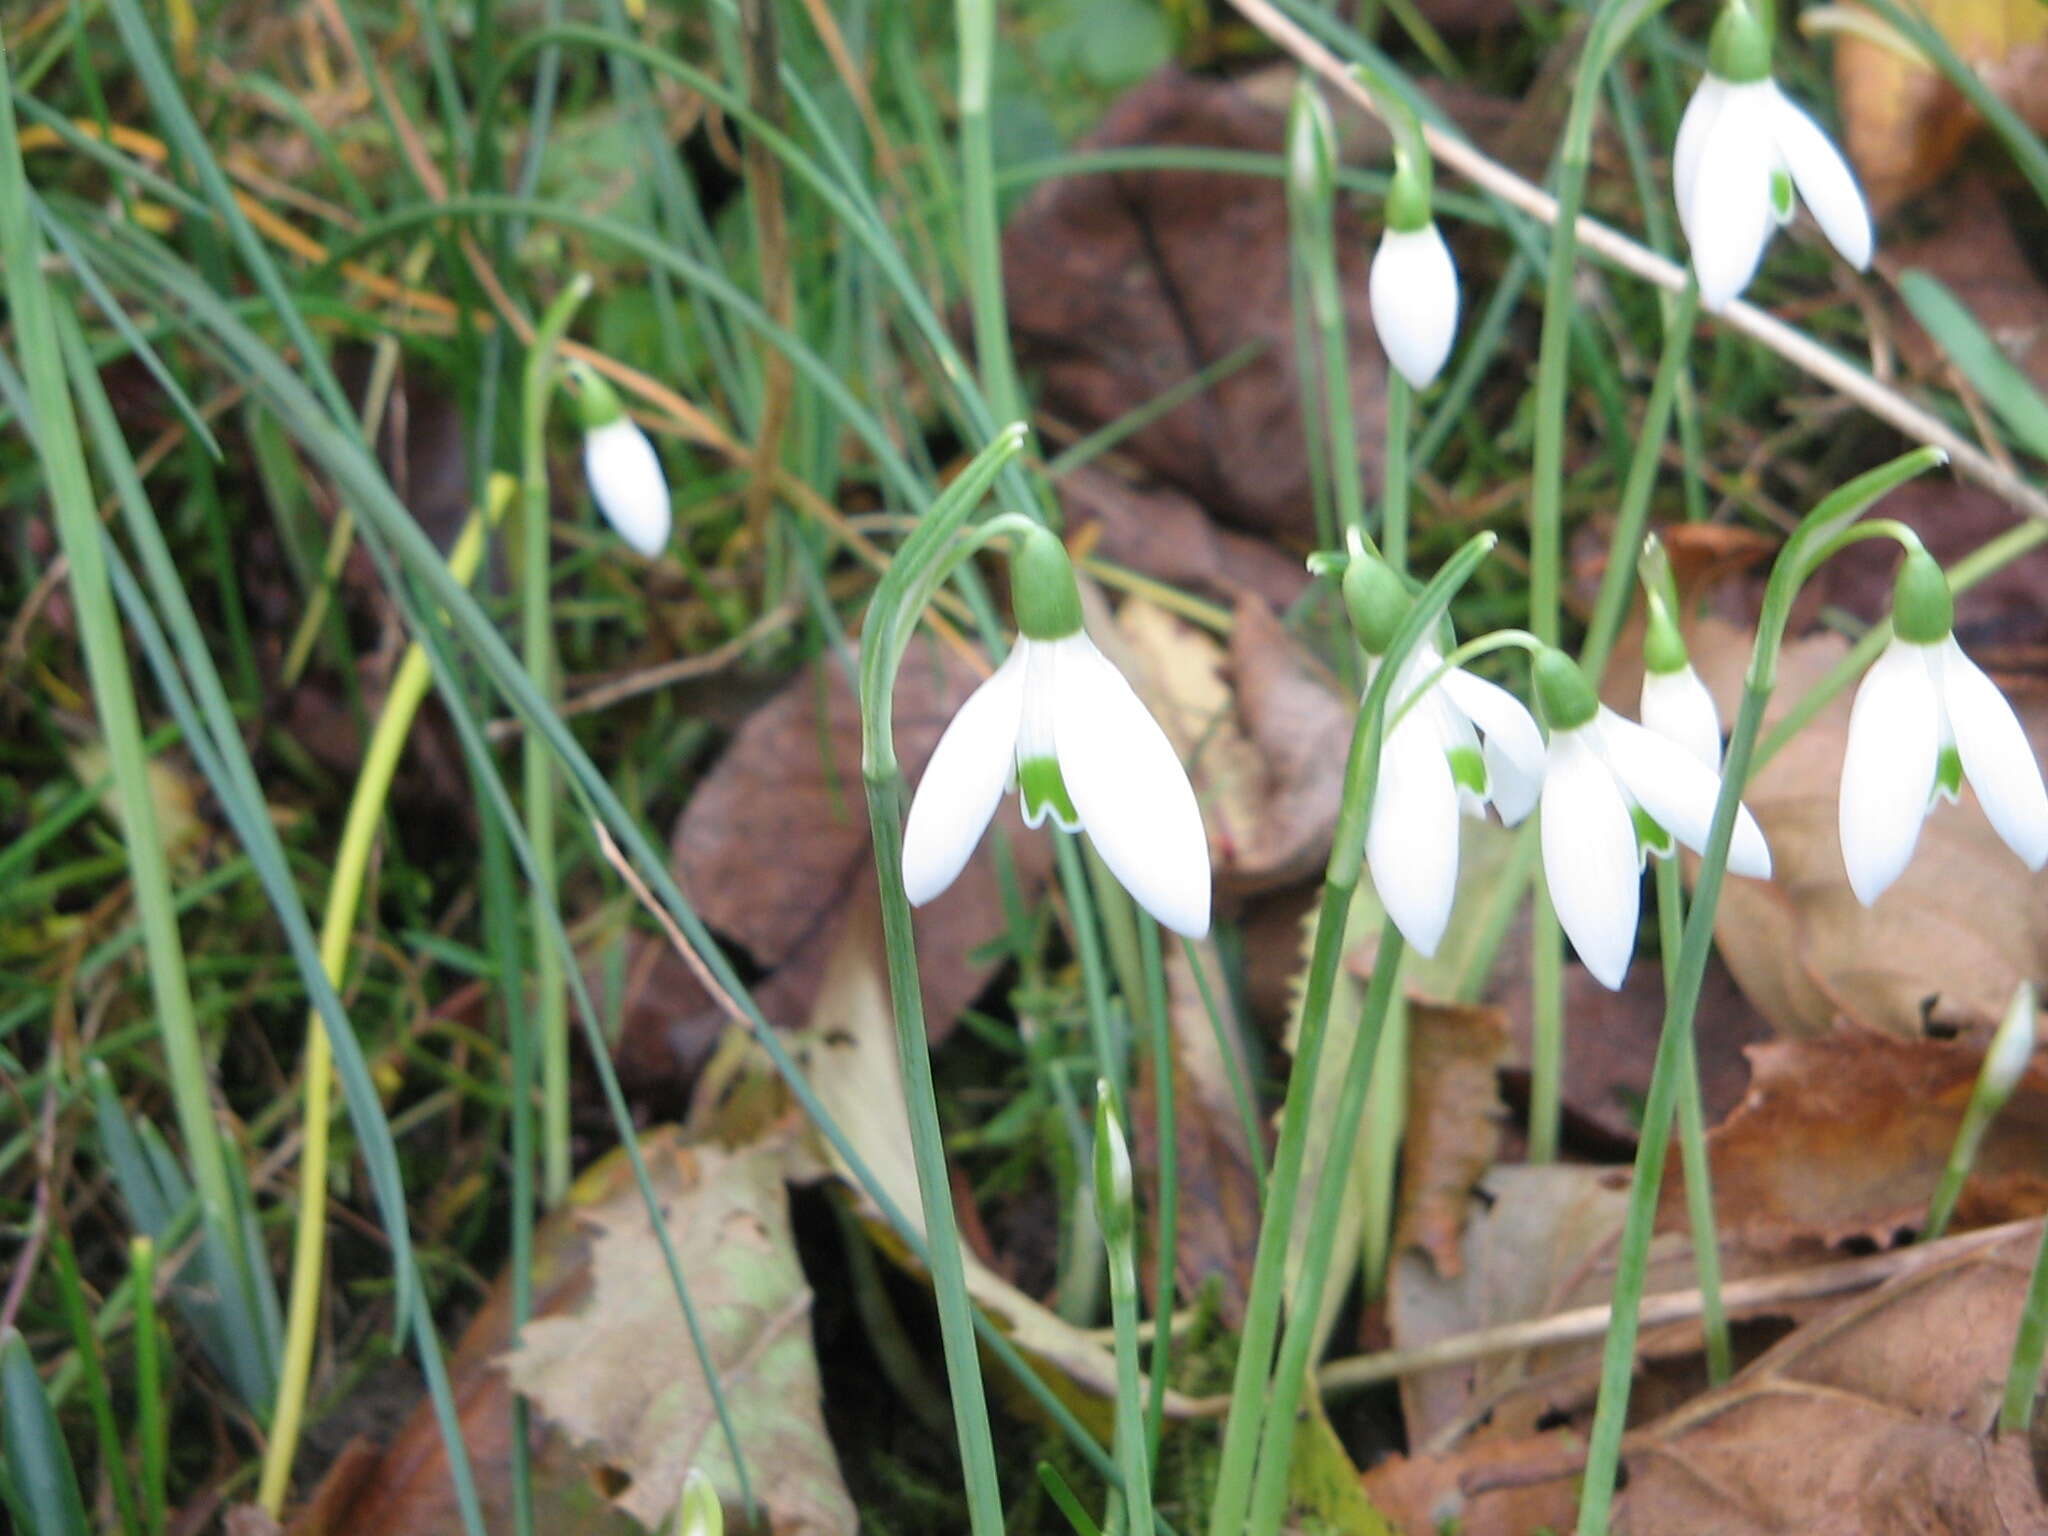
(1130, 789)
(1515, 754)
(1589, 857)
(1998, 760)
(1700, 113)
(964, 781)
(1679, 791)
(1888, 767)
(1414, 292)
(1411, 844)
(627, 484)
(1823, 178)
(1678, 707)
(1731, 200)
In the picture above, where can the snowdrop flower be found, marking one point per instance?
(1413, 285)
(1925, 718)
(1059, 722)
(1614, 792)
(1675, 703)
(625, 474)
(1743, 146)
(1459, 747)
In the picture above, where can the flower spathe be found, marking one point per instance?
(1463, 745)
(1743, 145)
(1925, 719)
(1058, 720)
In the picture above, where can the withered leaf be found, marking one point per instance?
(1454, 1116)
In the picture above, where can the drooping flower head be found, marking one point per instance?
(1925, 719)
(1455, 744)
(1058, 721)
(1614, 793)
(625, 474)
(1743, 149)
(1413, 285)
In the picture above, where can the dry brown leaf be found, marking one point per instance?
(1845, 1136)
(1124, 284)
(619, 1376)
(403, 1488)
(1454, 1120)
(1972, 249)
(1495, 1487)
(1903, 124)
(1263, 730)
(791, 782)
(1871, 1420)
(1163, 533)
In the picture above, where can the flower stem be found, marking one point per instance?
(1290, 1375)
(976, 22)
(337, 930)
(1610, 1415)
(1249, 1380)
(1120, 1242)
(941, 1230)
(1692, 1143)
(1546, 1026)
(1394, 495)
(1167, 1247)
(2016, 1412)
(537, 644)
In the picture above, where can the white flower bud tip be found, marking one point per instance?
(627, 484)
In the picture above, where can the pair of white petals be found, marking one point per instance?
(627, 483)
(1413, 288)
(1733, 143)
(1063, 700)
(1411, 842)
(1916, 703)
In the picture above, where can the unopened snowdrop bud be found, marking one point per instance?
(1059, 722)
(1743, 147)
(1925, 719)
(1311, 150)
(1675, 703)
(699, 1514)
(624, 471)
(1114, 1200)
(1414, 284)
(1376, 599)
(1614, 792)
(2012, 1047)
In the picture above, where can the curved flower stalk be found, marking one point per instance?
(1614, 793)
(626, 479)
(1058, 721)
(1926, 718)
(1455, 745)
(1743, 148)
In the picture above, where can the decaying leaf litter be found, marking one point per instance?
(1838, 1044)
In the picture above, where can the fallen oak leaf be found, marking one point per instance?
(1845, 1137)
(1454, 1120)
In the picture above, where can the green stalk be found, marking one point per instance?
(2016, 1410)
(1546, 1026)
(1326, 303)
(1227, 1048)
(1249, 1380)
(1167, 1247)
(942, 1233)
(1394, 495)
(2005, 1063)
(976, 21)
(106, 658)
(1385, 1123)
(1815, 535)
(1115, 1203)
(1290, 1376)
(149, 1384)
(85, 1340)
(537, 644)
(337, 934)
(1692, 1143)
(1110, 1048)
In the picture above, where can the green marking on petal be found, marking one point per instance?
(1781, 195)
(1650, 835)
(1039, 781)
(1948, 775)
(1468, 769)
